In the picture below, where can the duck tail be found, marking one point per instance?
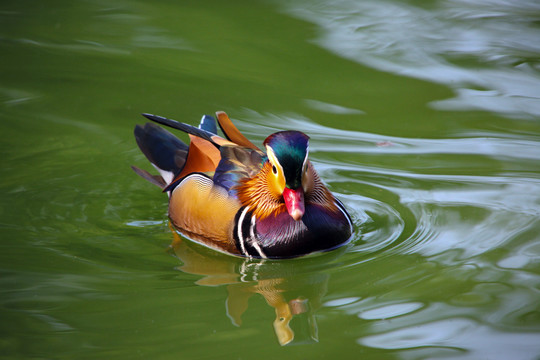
(169, 155)
(165, 151)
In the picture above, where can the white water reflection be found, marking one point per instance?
(442, 43)
(467, 339)
(389, 311)
(332, 108)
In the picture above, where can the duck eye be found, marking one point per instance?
(274, 169)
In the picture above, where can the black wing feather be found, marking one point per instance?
(206, 135)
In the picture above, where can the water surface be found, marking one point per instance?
(423, 118)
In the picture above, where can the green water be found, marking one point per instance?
(424, 120)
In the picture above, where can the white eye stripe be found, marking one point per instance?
(273, 159)
(275, 162)
(304, 164)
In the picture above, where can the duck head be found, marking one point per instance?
(288, 155)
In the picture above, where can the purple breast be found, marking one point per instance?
(319, 230)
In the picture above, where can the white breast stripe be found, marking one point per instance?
(254, 239)
(241, 239)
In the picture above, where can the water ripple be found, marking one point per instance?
(442, 197)
(442, 45)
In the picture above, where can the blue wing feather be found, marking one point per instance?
(237, 163)
(209, 124)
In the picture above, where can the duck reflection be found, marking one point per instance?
(294, 288)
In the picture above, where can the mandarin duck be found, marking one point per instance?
(227, 194)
